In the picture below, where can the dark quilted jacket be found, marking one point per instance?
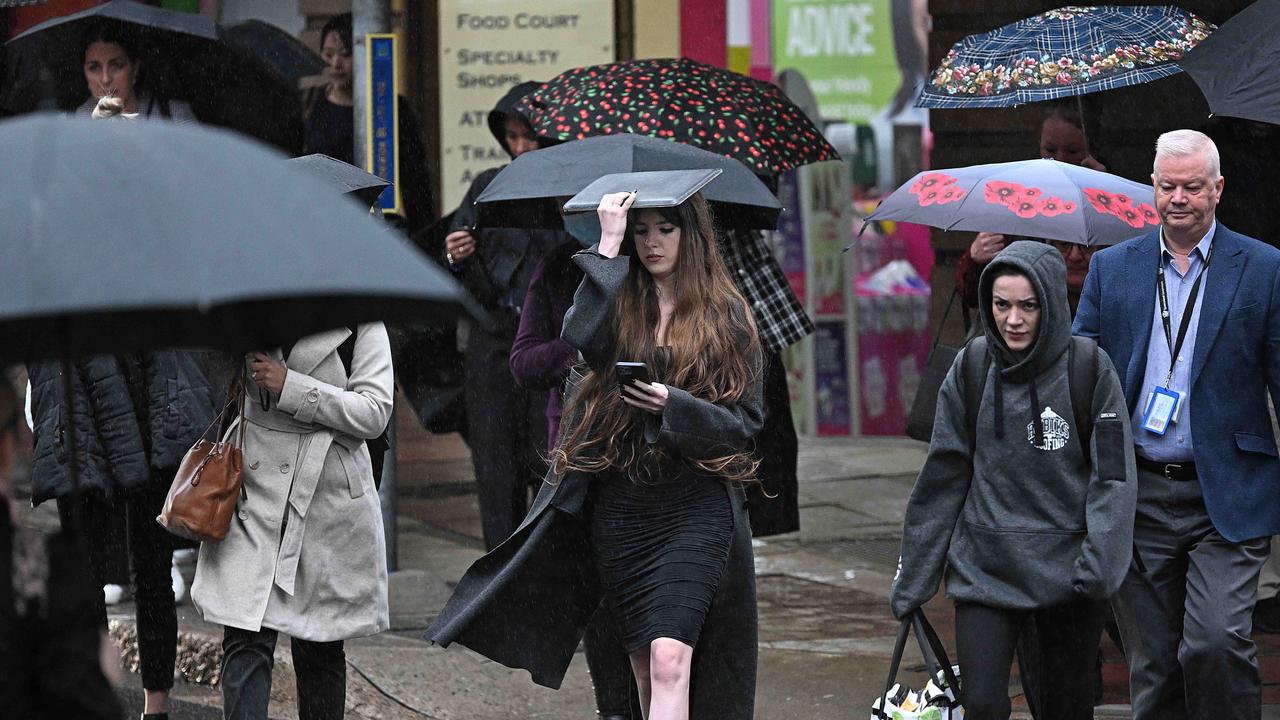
(123, 430)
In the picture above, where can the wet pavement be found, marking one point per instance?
(825, 629)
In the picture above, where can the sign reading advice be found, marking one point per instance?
(844, 48)
(486, 46)
(382, 134)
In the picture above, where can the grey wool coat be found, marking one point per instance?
(305, 554)
(527, 603)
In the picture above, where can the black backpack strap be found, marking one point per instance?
(975, 362)
(1082, 379)
(347, 351)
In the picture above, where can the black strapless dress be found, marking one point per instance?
(661, 546)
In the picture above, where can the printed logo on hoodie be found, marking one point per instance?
(1056, 431)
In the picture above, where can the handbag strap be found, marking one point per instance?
(899, 647)
(935, 658)
(244, 396)
(936, 655)
(238, 391)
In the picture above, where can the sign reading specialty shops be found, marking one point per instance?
(486, 46)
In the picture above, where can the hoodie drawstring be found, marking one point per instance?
(1037, 421)
(999, 410)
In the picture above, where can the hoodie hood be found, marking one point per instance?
(1043, 264)
(507, 107)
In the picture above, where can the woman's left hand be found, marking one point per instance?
(267, 372)
(650, 397)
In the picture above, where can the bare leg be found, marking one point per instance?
(670, 663)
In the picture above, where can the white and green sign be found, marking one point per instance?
(844, 48)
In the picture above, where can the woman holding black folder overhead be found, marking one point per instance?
(642, 507)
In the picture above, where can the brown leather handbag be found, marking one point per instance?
(208, 484)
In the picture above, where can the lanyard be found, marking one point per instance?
(1163, 294)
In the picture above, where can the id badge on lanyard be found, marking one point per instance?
(1163, 404)
(1162, 410)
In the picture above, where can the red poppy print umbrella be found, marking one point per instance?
(682, 100)
(1033, 198)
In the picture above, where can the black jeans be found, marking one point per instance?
(1068, 641)
(150, 552)
(247, 659)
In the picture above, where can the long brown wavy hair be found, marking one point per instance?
(712, 340)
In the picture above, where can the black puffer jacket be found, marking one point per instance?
(109, 439)
(132, 414)
(181, 402)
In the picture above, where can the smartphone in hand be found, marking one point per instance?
(625, 372)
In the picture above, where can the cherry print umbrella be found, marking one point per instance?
(1033, 198)
(682, 100)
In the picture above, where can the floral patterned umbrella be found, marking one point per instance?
(1064, 52)
(681, 100)
(1033, 198)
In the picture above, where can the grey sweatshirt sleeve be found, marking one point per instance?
(588, 325)
(936, 501)
(1113, 491)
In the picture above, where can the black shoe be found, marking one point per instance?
(155, 716)
(1266, 616)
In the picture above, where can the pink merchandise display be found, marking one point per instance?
(892, 300)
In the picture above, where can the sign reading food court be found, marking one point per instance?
(486, 46)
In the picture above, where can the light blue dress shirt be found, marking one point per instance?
(1175, 445)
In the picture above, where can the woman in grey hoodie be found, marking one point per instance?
(1025, 515)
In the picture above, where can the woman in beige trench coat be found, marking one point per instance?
(305, 554)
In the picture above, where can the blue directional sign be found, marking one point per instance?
(382, 157)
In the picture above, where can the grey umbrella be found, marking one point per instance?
(518, 196)
(184, 57)
(1235, 67)
(286, 54)
(121, 236)
(343, 177)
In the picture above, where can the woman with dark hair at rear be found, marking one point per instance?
(328, 117)
(113, 68)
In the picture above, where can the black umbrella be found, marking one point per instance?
(345, 178)
(518, 196)
(1236, 67)
(183, 58)
(291, 58)
(123, 236)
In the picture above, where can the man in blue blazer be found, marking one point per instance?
(1190, 316)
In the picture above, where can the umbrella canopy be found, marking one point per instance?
(343, 177)
(1035, 198)
(1064, 52)
(291, 58)
(518, 196)
(183, 58)
(682, 100)
(125, 236)
(1236, 67)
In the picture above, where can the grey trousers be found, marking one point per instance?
(1186, 610)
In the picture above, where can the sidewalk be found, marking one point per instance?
(825, 630)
